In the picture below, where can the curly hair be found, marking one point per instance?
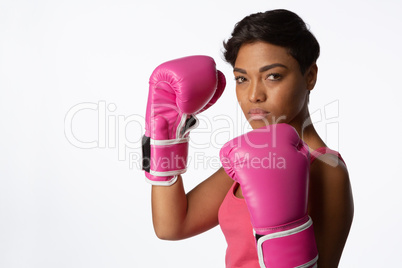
(278, 27)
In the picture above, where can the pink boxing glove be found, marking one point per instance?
(271, 164)
(178, 90)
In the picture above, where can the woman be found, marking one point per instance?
(274, 59)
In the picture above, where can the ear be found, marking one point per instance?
(311, 76)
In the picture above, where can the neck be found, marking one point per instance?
(306, 130)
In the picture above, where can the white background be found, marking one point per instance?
(65, 206)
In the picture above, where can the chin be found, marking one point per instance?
(259, 123)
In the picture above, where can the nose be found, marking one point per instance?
(256, 93)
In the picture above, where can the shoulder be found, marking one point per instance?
(330, 206)
(330, 182)
(329, 169)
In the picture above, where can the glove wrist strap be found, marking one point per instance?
(163, 160)
(295, 246)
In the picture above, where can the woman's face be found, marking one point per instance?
(269, 85)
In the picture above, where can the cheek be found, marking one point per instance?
(287, 99)
(299, 96)
(241, 98)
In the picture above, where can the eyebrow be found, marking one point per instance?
(262, 69)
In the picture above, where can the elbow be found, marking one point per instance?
(167, 234)
(163, 235)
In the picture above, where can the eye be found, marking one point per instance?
(240, 79)
(274, 76)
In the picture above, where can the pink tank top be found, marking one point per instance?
(235, 223)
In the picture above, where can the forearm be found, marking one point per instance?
(169, 209)
(177, 215)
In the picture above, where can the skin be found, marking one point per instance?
(270, 88)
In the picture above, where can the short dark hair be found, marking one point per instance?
(278, 27)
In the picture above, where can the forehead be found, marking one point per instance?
(257, 54)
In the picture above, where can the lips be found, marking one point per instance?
(257, 113)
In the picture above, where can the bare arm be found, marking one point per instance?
(331, 208)
(177, 215)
